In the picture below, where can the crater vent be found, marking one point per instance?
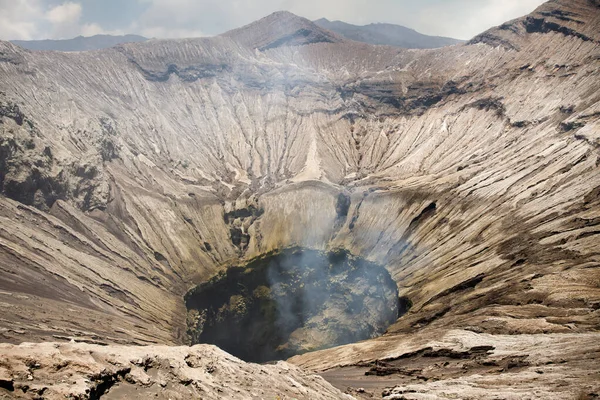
(292, 301)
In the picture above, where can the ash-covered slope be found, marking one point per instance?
(386, 34)
(470, 172)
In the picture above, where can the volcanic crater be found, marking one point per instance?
(404, 223)
(290, 302)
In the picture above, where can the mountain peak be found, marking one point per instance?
(282, 14)
(282, 28)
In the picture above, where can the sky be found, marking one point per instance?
(59, 19)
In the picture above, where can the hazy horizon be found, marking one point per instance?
(52, 19)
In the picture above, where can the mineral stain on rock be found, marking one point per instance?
(290, 302)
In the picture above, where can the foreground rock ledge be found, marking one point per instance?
(87, 371)
(436, 365)
(460, 364)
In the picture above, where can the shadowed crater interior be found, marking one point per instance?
(292, 301)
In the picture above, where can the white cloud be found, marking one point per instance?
(18, 18)
(32, 19)
(66, 13)
(65, 20)
(178, 18)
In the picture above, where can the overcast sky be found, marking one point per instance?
(59, 19)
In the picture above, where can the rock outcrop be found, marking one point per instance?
(130, 175)
(86, 371)
(468, 365)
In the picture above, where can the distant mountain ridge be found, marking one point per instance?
(386, 34)
(80, 43)
(288, 28)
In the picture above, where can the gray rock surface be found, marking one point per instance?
(85, 371)
(463, 364)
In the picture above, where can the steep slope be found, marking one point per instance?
(386, 34)
(80, 43)
(470, 172)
